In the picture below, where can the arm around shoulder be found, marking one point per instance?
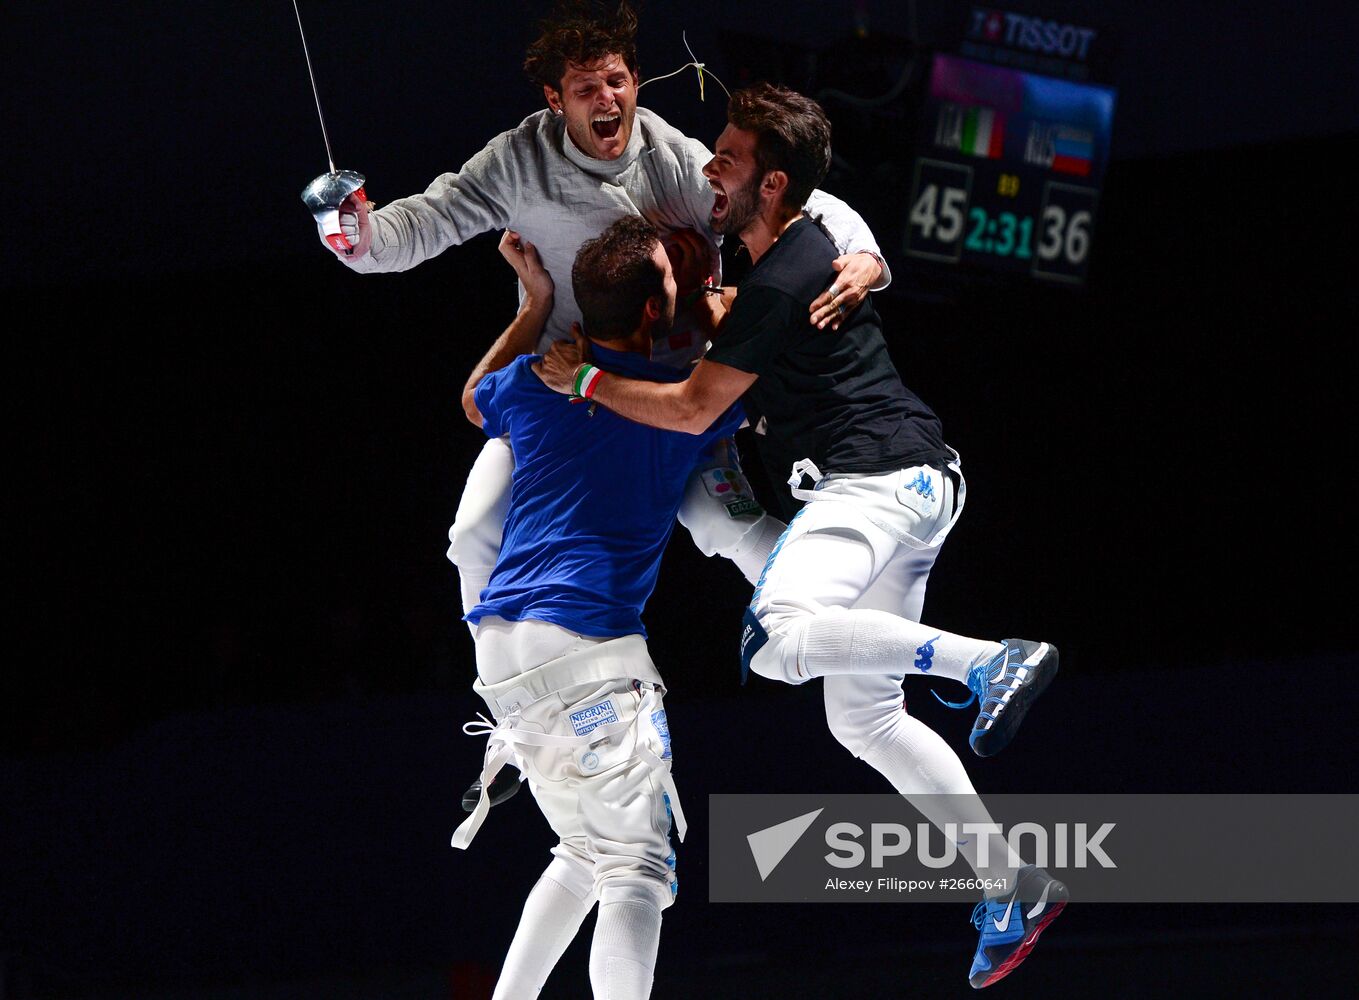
(849, 232)
(690, 407)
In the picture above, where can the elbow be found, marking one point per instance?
(469, 406)
(696, 426)
(694, 419)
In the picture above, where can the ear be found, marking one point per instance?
(554, 99)
(653, 308)
(773, 186)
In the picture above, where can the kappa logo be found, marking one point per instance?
(771, 845)
(924, 656)
(922, 484)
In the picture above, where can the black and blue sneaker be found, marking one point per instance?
(1010, 924)
(1006, 686)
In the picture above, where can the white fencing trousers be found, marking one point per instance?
(588, 730)
(719, 511)
(819, 567)
(583, 719)
(858, 542)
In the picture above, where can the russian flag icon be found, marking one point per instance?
(1073, 149)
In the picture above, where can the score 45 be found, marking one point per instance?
(934, 229)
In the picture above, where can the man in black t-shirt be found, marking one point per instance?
(842, 593)
(832, 396)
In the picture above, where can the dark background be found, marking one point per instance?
(235, 670)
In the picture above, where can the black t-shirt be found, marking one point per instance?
(833, 396)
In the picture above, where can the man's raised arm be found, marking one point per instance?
(521, 336)
(478, 198)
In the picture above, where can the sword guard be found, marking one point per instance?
(323, 198)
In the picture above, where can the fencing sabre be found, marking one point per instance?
(324, 195)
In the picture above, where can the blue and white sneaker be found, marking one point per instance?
(1006, 686)
(1010, 925)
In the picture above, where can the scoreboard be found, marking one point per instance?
(1008, 170)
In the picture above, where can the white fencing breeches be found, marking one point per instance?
(867, 544)
(863, 542)
(589, 731)
(596, 754)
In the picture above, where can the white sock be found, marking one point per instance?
(552, 915)
(862, 641)
(924, 768)
(627, 937)
(751, 554)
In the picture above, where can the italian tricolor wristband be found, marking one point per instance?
(587, 379)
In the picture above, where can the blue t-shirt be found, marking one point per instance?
(592, 503)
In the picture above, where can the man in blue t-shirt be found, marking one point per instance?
(561, 652)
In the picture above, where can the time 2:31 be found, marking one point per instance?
(937, 219)
(998, 235)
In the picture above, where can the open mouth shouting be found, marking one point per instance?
(606, 127)
(719, 206)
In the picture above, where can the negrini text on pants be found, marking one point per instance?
(1066, 845)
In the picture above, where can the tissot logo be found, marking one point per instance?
(1034, 34)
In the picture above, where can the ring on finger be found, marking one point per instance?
(834, 291)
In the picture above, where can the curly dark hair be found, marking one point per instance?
(581, 32)
(614, 275)
(792, 134)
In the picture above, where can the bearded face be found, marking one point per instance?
(735, 178)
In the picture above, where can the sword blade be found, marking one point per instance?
(314, 92)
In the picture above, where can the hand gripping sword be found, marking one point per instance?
(324, 195)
